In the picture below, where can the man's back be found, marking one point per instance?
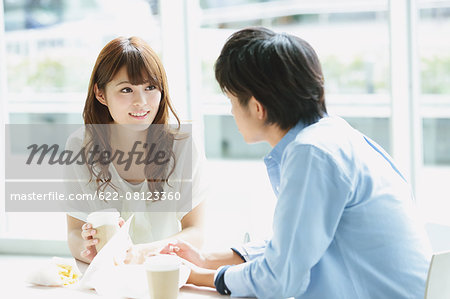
(379, 250)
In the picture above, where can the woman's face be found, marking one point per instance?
(130, 104)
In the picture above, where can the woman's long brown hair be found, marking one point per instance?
(143, 66)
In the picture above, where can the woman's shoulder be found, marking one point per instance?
(76, 139)
(182, 137)
(186, 145)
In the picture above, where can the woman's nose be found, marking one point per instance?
(139, 99)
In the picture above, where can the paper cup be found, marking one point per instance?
(106, 223)
(163, 273)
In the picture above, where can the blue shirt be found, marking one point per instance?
(343, 226)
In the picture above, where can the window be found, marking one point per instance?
(434, 108)
(389, 79)
(352, 41)
(50, 49)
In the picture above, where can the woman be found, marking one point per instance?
(127, 112)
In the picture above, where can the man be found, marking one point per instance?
(342, 226)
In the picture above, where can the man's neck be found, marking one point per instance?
(274, 134)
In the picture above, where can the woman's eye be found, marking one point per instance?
(126, 90)
(151, 87)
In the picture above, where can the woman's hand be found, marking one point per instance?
(186, 251)
(200, 276)
(87, 233)
(121, 221)
(136, 254)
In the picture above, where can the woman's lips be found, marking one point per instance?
(139, 115)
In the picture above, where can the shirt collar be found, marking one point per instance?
(277, 152)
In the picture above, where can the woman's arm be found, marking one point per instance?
(193, 226)
(192, 232)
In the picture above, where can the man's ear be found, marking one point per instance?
(100, 95)
(258, 108)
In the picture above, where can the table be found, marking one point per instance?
(13, 268)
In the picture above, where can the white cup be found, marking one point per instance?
(163, 274)
(106, 223)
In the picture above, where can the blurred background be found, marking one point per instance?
(386, 66)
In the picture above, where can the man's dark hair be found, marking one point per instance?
(281, 71)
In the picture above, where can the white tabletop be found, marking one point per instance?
(12, 284)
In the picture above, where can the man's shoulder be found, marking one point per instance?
(330, 141)
(330, 134)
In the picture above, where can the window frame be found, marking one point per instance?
(179, 88)
(3, 119)
(181, 20)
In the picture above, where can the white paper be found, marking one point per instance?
(106, 274)
(110, 277)
(112, 253)
(47, 272)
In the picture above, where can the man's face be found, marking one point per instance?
(246, 119)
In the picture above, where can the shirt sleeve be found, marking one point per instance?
(75, 177)
(313, 194)
(251, 250)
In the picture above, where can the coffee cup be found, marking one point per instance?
(163, 274)
(106, 223)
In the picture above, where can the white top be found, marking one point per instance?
(146, 226)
